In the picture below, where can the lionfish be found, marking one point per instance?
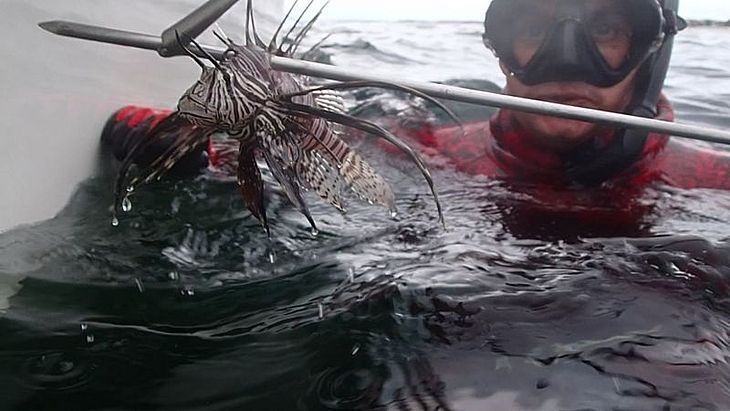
(271, 114)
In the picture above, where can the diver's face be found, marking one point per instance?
(612, 36)
(558, 133)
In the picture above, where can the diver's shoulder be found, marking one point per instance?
(691, 165)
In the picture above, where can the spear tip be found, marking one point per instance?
(53, 26)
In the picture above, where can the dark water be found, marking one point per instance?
(516, 306)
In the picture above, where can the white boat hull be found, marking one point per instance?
(58, 92)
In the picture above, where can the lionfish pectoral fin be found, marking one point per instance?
(288, 181)
(251, 185)
(187, 138)
(347, 167)
(365, 182)
(374, 129)
(320, 175)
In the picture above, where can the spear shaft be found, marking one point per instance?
(151, 42)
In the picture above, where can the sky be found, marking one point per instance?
(474, 9)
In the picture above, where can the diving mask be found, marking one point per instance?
(594, 41)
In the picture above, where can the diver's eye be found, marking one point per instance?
(610, 28)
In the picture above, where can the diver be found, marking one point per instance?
(604, 54)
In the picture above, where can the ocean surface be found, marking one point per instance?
(186, 305)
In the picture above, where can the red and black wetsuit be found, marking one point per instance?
(500, 149)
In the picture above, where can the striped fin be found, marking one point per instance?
(319, 174)
(330, 100)
(307, 112)
(186, 139)
(312, 169)
(287, 178)
(365, 182)
(251, 184)
(330, 152)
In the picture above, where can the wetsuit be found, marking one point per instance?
(501, 148)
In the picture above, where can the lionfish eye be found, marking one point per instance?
(230, 53)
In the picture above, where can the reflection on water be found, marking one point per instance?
(515, 305)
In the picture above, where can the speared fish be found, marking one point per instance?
(296, 129)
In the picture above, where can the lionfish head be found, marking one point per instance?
(198, 104)
(207, 103)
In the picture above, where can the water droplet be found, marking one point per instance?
(393, 213)
(126, 205)
(84, 326)
(355, 349)
(115, 222)
(351, 275)
(90, 338)
(314, 232)
(140, 286)
(173, 275)
(272, 257)
(188, 291)
(130, 189)
(320, 307)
